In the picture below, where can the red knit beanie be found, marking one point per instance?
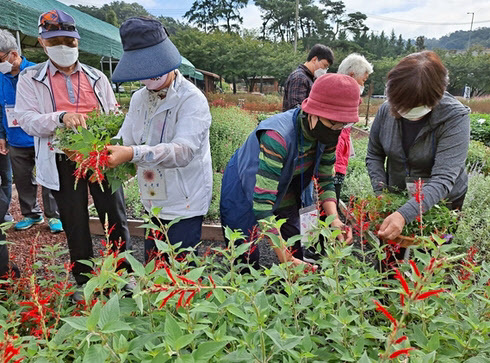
(335, 97)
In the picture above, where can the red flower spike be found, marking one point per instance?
(400, 352)
(402, 299)
(189, 299)
(186, 280)
(427, 294)
(386, 313)
(181, 298)
(415, 268)
(208, 295)
(431, 264)
(401, 339)
(169, 273)
(212, 281)
(404, 284)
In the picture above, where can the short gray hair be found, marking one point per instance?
(7, 41)
(356, 64)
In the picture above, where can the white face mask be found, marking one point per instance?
(156, 83)
(6, 66)
(361, 89)
(320, 72)
(63, 55)
(415, 113)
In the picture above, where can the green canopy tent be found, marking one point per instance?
(96, 36)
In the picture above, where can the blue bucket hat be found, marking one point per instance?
(148, 51)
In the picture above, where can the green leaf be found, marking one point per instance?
(434, 343)
(208, 350)
(90, 287)
(364, 358)
(63, 333)
(93, 318)
(237, 312)
(184, 340)
(110, 312)
(79, 322)
(114, 326)
(195, 273)
(138, 268)
(95, 354)
(172, 330)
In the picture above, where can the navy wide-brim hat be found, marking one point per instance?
(148, 51)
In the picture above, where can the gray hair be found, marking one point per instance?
(356, 64)
(7, 42)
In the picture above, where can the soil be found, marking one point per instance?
(40, 235)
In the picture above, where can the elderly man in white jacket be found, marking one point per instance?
(165, 133)
(60, 93)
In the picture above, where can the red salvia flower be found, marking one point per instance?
(402, 299)
(386, 313)
(401, 339)
(427, 294)
(400, 352)
(403, 282)
(415, 268)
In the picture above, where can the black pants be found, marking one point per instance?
(187, 231)
(73, 209)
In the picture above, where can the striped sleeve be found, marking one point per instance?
(325, 177)
(273, 152)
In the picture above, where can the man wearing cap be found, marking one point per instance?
(60, 93)
(268, 173)
(20, 144)
(165, 133)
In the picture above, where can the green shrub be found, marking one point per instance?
(229, 129)
(480, 127)
(474, 226)
(213, 213)
(478, 157)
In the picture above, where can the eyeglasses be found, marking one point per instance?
(334, 125)
(51, 26)
(4, 57)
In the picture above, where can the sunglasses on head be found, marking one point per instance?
(51, 26)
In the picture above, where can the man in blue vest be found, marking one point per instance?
(268, 174)
(20, 144)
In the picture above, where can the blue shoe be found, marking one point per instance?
(55, 225)
(27, 222)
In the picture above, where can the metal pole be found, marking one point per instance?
(110, 67)
(296, 27)
(18, 42)
(471, 28)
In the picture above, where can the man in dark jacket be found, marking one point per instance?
(298, 85)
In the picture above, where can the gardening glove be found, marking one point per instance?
(119, 154)
(392, 226)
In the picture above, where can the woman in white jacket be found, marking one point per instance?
(165, 133)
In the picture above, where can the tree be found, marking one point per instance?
(204, 13)
(419, 43)
(111, 17)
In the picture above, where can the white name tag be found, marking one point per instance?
(308, 219)
(152, 184)
(11, 119)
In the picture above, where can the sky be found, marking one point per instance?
(430, 18)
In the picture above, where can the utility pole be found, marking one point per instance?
(296, 27)
(471, 28)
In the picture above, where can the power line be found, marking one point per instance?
(422, 22)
